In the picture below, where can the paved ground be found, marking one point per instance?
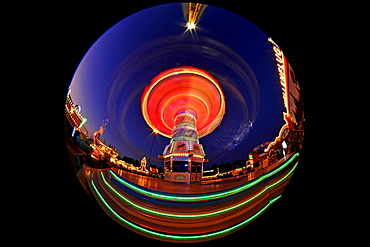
(193, 188)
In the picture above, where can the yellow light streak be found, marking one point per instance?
(192, 12)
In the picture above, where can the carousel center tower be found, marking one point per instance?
(183, 104)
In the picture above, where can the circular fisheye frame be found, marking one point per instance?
(187, 128)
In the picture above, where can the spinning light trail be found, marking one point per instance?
(198, 198)
(229, 211)
(181, 238)
(179, 89)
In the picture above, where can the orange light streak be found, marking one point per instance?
(183, 88)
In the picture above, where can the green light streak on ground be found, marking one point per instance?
(196, 215)
(207, 197)
(177, 237)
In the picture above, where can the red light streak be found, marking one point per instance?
(179, 89)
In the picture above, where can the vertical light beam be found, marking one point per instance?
(192, 12)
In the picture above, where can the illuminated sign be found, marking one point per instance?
(197, 149)
(281, 66)
(180, 147)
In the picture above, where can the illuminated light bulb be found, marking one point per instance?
(190, 25)
(155, 131)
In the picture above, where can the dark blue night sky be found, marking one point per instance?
(113, 74)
